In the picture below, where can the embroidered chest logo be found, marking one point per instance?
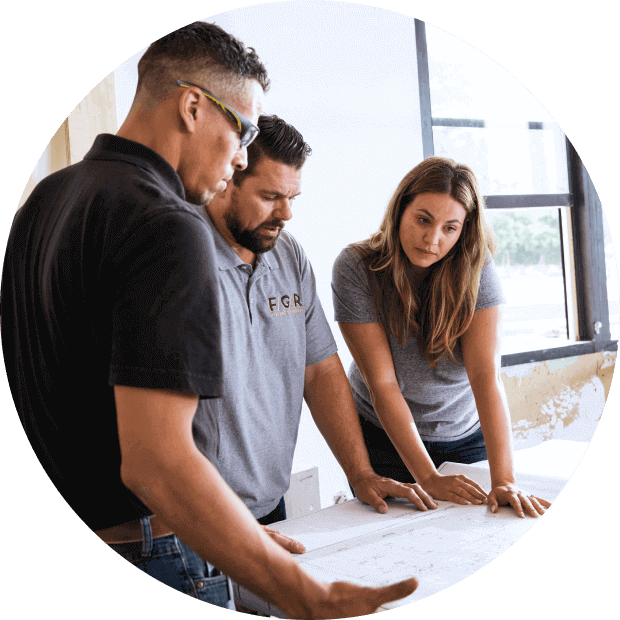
(285, 304)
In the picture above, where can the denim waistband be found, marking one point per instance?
(147, 537)
(148, 545)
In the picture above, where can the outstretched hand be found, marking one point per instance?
(522, 502)
(346, 600)
(373, 489)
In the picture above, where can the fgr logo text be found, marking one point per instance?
(285, 304)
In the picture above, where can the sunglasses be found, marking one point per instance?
(247, 129)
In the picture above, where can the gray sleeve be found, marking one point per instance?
(351, 293)
(320, 343)
(490, 292)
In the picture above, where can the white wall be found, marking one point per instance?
(346, 77)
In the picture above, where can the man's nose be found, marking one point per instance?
(240, 159)
(283, 209)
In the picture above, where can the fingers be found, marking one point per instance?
(473, 488)
(395, 490)
(458, 489)
(519, 500)
(291, 545)
(416, 495)
(542, 502)
(539, 506)
(394, 592)
(533, 506)
(373, 492)
(346, 600)
(377, 503)
(469, 490)
(515, 502)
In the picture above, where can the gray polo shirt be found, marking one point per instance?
(273, 326)
(440, 399)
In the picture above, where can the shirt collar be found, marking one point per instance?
(226, 257)
(111, 147)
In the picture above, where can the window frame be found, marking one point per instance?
(586, 236)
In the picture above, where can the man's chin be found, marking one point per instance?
(254, 240)
(266, 246)
(200, 200)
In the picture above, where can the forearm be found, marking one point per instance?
(496, 427)
(397, 421)
(196, 503)
(328, 396)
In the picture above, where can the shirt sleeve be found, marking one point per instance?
(165, 320)
(351, 293)
(320, 342)
(490, 293)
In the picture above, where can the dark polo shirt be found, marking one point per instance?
(109, 279)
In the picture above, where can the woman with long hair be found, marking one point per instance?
(418, 304)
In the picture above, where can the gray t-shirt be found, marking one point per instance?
(440, 399)
(273, 326)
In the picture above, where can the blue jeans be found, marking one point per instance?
(172, 562)
(386, 461)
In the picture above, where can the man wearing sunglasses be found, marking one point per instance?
(111, 336)
(247, 129)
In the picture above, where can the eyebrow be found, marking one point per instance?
(278, 194)
(432, 217)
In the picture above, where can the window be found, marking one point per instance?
(541, 203)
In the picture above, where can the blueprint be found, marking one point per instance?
(351, 542)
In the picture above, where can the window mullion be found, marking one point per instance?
(589, 244)
(428, 149)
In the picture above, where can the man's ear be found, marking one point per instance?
(190, 108)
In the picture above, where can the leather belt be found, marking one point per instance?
(131, 531)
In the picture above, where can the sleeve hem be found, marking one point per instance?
(166, 379)
(490, 304)
(328, 352)
(355, 319)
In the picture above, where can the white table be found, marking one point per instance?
(352, 542)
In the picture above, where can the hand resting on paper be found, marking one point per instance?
(458, 489)
(372, 489)
(290, 544)
(521, 501)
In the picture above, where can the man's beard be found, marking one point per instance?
(252, 239)
(199, 200)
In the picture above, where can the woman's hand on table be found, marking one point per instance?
(372, 489)
(458, 489)
(522, 502)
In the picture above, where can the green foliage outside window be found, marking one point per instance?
(526, 238)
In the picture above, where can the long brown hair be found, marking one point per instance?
(437, 310)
